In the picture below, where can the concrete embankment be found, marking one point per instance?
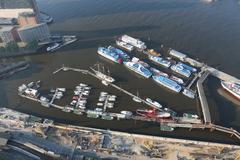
(157, 138)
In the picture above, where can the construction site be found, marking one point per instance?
(43, 139)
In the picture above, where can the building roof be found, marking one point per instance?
(6, 28)
(30, 26)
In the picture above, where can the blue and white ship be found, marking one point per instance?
(181, 70)
(160, 60)
(105, 52)
(168, 83)
(138, 68)
(190, 68)
(121, 53)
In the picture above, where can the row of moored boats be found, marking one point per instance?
(121, 57)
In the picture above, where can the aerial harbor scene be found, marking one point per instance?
(119, 79)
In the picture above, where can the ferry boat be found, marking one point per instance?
(190, 68)
(121, 53)
(138, 68)
(181, 70)
(53, 47)
(109, 55)
(189, 93)
(125, 45)
(168, 83)
(233, 88)
(160, 60)
(157, 72)
(152, 113)
(176, 79)
(134, 42)
(154, 103)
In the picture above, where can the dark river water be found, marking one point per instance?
(209, 32)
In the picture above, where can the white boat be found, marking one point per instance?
(127, 113)
(134, 42)
(99, 104)
(160, 60)
(137, 99)
(53, 47)
(232, 88)
(106, 53)
(168, 83)
(176, 79)
(181, 70)
(125, 45)
(105, 83)
(157, 72)
(154, 103)
(83, 85)
(138, 68)
(163, 115)
(189, 93)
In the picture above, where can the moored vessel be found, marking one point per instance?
(155, 104)
(125, 45)
(157, 72)
(53, 47)
(181, 70)
(176, 79)
(189, 93)
(133, 41)
(138, 68)
(168, 83)
(160, 60)
(232, 88)
(106, 53)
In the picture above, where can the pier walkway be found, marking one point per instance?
(203, 99)
(221, 75)
(214, 72)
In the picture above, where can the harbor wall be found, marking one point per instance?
(157, 138)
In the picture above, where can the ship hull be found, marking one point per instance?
(107, 57)
(230, 91)
(137, 71)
